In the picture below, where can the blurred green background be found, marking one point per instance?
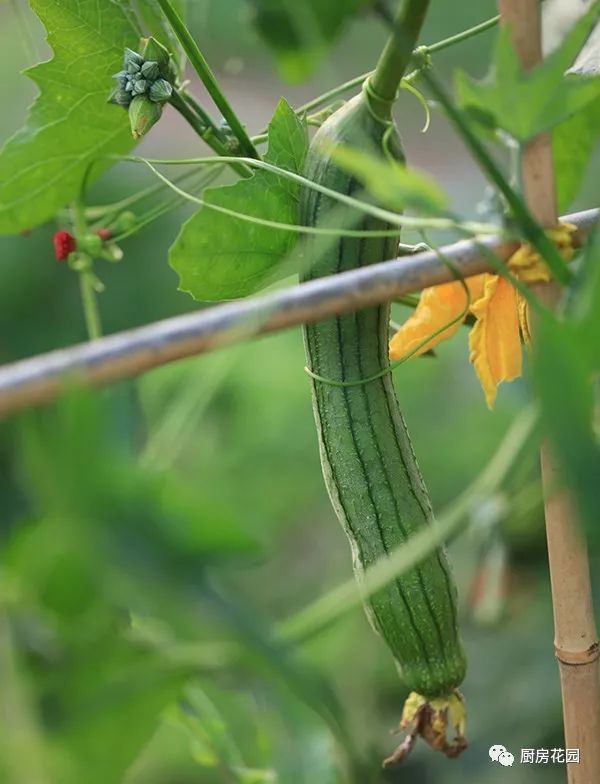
(153, 533)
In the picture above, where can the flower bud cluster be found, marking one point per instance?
(140, 77)
(144, 85)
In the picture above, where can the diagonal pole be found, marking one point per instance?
(41, 379)
(576, 638)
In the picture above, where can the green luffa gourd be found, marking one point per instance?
(368, 461)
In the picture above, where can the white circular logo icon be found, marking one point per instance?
(506, 758)
(496, 751)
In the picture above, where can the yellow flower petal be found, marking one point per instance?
(438, 307)
(494, 340)
(529, 266)
(524, 323)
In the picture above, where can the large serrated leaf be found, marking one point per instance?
(573, 144)
(526, 103)
(70, 125)
(218, 256)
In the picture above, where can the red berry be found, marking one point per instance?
(64, 243)
(104, 234)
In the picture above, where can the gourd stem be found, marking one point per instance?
(202, 68)
(397, 54)
(204, 131)
(87, 280)
(90, 304)
(198, 109)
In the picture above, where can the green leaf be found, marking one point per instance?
(585, 304)
(108, 691)
(301, 32)
(574, 143)
(526, 103)
(394, 185)
(222, 257)
(70, 124)
(564, 382)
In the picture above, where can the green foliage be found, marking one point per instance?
(301, 32)
(563, 376)
(221, 257)
(103, 586)
(43, 166)
(569, 350)
(393, 184)
(574, 142)
(155, 539)
(526, 103)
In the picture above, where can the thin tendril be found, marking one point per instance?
(409, 87)
(406, 221)
(163, 209)
(427, 49)
(291, 227)
(103, 213)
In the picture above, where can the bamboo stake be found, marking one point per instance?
(127, 354)
(576, 639)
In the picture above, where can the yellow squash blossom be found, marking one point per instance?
(500, 315)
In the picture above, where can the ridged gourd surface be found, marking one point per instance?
(368, 461)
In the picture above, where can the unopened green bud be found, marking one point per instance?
(112, 252)
(132, 59)
(139, 86)
(124, 222)
(143, 114)
(122, 78)
(90, 244)
(154, 51)
(151, 70)
(160, 91)
(120, 97)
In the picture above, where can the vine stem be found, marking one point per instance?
(443, 223)
(471, 32)
(205, 131)
(202, 68)
(397, 54)
(438, 46)
(530, 227)
(87, 280)
(87, 285)
(576, 637)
